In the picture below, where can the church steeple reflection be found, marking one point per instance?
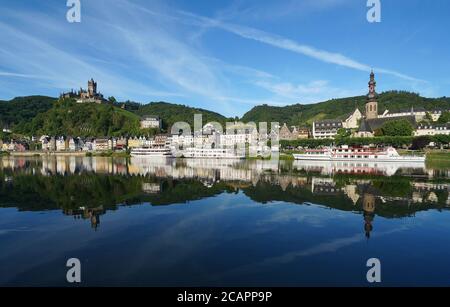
(91, 214)
(88, 187)
(369, 213)
(95, 220)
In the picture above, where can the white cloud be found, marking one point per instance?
(146, 53)
(288, 44)
(314, 91)
(130, 54)
(17, 75)
(33, 56)
(265, 10)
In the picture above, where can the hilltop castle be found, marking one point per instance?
(86, 96)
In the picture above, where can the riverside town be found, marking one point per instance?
(405, 129)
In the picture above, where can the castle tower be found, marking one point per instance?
(92, 88)
(372, 105)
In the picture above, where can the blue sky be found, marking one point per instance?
(227, 56)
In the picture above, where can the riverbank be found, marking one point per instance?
(438, 159)
(435, 158)
(112, 154)
(282, 156)
(45, 154)
(66, 154)
(436, 155)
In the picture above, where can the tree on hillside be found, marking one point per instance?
(445, 118)
(23, 109)
(2, 136)
(93, 120)
(398, 128)
(344, 133)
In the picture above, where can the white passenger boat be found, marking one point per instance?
(160, 151)
(362, 154)
(213, 153)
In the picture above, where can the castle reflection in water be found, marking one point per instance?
(389, 190)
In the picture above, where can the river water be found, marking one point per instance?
(221, 223)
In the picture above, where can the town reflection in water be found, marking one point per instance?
(89, 187)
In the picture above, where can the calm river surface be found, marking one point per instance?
(221, 223)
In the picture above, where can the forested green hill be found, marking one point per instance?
(69, 118)
(337, 108)
(46, 115)
(23, 109)
(172, 113)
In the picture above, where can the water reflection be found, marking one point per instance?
(87, 187)
(220, 222)
(356, 168)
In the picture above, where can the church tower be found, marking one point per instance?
(372, 105)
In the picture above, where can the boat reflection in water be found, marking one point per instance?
(310, 181)
(373, 168)
(204, 214)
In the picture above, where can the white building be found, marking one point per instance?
(326, 129)
(135, 142)
(207, 140)
(182, 141)
(61, 144)
(101, 144)
(151, 122)
(436, 114)
(231, 140)
(88, 145)
(418, 113)
(430, 129)
(75, 144)
(352, 120)
(45, 141)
